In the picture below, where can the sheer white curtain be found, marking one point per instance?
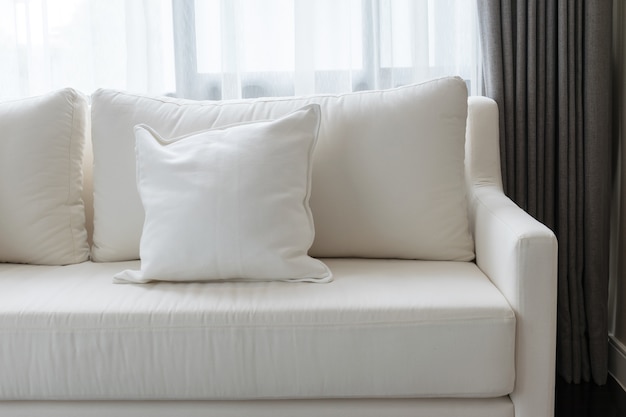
(220, 49)
(85, 44)
(247, 48)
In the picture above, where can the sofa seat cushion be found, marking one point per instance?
(384, 328)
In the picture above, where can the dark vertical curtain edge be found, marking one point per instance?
(597, 147)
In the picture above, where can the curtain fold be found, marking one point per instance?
(548, 66)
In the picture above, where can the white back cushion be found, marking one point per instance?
(42, 216)
(388, 169)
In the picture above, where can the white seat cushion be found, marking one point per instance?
(383, 328)
(388, 169)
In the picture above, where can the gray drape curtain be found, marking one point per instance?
(548, 66)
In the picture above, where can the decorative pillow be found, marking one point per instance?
(42, 217)
(228, 203)
(388, 168)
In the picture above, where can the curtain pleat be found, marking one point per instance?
(547, 64)
(597, 148)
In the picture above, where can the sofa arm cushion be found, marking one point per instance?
(519, 255)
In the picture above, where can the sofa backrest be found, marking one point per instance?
(88, 188)
(482, 144)
(388, 171)
(41, 148)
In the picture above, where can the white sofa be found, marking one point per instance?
(465, 329)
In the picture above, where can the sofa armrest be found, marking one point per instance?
(519, 255)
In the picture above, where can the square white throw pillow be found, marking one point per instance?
(228, 204)
(42, 216)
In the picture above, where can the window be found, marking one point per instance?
(86, 44)
(247, 48)
(221, 49)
